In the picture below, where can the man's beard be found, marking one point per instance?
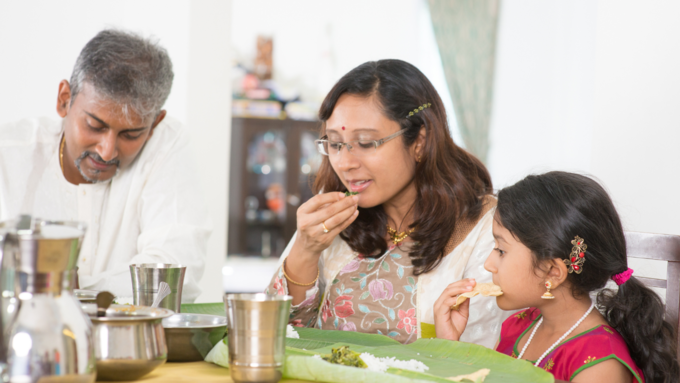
(96, 157)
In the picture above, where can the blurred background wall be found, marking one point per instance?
(582, 85)
(592, 86)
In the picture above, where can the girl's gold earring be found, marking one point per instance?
(418, 159)
(547, 294)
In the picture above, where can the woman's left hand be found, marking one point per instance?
(450, 324)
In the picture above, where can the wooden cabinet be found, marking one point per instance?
(273, 163)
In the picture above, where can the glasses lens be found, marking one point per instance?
(357, 148)
(322, 146)
(333, 147)
(363, 148)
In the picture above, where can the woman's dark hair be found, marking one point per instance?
(449, 181)
(545, 212)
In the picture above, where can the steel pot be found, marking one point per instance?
(129, 341)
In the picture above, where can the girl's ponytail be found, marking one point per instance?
(637, 313)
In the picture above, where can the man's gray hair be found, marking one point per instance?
(127, 69)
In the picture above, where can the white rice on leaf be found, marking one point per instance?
(382, 364)
(291, 333)
(317, 370)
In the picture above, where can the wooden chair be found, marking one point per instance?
(663, 247)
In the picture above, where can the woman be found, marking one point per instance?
(377, 261)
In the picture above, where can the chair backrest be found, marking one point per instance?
(663, 247)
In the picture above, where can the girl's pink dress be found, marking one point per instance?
(573, 355)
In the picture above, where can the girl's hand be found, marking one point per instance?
(334, 210)
(450, 324)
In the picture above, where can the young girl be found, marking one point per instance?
(559, 238)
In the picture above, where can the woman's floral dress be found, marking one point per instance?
(370, 295)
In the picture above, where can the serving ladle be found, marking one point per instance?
(104, 300)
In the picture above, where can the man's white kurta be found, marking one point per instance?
(151, 212)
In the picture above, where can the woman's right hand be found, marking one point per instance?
(334, 210)
(450, 324)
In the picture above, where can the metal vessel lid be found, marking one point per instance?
(85, 295)
(193, 321)
(28, 227)
(125, 313)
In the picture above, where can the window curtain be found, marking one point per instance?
(466, 36)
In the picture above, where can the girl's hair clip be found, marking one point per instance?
(418, 109)
(577, 256)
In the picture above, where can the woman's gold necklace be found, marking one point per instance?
(398, 237)
(61, 153)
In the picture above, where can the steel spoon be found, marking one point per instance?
(163, 291)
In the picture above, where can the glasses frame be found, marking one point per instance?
(376, 143)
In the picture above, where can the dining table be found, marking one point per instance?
(200, 371)
(180, 372)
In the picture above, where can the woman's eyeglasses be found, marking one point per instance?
(359, 148)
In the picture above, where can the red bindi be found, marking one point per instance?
(343, 128)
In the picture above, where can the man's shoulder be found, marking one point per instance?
(169, 142)
(167, 137)
(169, 129)
(29, 131)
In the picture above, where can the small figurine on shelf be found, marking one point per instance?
(263, 60)
(275, 196)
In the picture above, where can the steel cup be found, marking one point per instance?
(145, 280)
(256, 329)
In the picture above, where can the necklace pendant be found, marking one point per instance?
(398, 237)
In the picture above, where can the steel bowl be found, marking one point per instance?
(191, 336)
(129, 341)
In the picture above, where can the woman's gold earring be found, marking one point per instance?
(418, 159)
(547, 294)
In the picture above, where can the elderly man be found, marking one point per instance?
(113, 161)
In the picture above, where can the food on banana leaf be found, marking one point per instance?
(486, 289)
(382, 364)
(291, 333)
(349, 193)
(343, 355)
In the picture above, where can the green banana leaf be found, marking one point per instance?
(317, 370)
(308, 337)
(204, 308)
(444, 359)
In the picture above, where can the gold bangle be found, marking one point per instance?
(297, 283)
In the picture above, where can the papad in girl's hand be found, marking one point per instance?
(486, 289)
